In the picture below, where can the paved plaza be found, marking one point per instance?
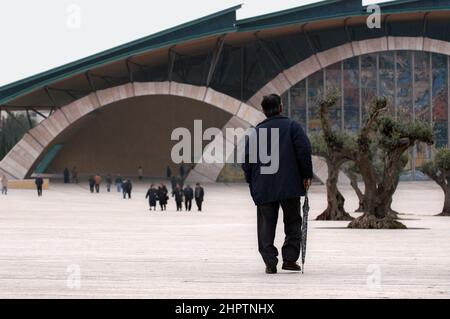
(122, 250)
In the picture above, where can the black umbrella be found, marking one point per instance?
(304, 230)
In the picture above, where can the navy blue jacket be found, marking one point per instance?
(295, 164)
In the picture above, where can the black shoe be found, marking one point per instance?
(291, 266)
(270, 270)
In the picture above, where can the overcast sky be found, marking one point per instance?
(39, 35)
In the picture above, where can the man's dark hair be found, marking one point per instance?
(271, 105)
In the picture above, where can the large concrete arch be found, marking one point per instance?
(289, 77)
(20, 161)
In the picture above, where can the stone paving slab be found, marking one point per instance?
(125, 251)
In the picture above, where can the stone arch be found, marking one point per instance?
(316, 62)
(291, 76)
(20, 161)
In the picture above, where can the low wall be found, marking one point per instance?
(26, 184)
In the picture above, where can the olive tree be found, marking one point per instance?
(439, 171)
(393, 138)
(332, 146)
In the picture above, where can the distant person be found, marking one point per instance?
(140, 173)
(182, 171)
(4, 182)
(66, 174)
(91, 182)
(118, 182)
(127, 187)
(108, 183)
(162, 196)
(188, 197)
(284, 187)
(75, 175)
(173, 182)
(39, 181)
(199, 195)
(168, 172)
(178, 194)
(152, 195)
(98, 182)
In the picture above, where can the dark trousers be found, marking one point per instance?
(127, 193)
(97, 188)
(91, 187)
(199, 204)
(39, 190)
(267, 223)
(179, 206)
(188, 204)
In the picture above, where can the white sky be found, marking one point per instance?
(39, 35)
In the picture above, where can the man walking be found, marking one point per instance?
(127, 187)
(199, 194)
(118, 182)
(39, 182)
(75, 175)
(178, 194)
(140, 173)
(91, 182)
(98, 181)
(4, 182)
(108, 183)
(188, 197)
(282, 188)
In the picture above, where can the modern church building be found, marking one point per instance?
(115, 111)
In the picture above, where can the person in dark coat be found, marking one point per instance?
(173, 182)
(118, 182)
(182, 171)
(66, 176)
(91, 182)
(284, 187)
(152, 196)
(178, 194)
(108, 183)
(39, 181)
(162, 196)
(168, 172)
(188, 196)
(199, 195)
(127, 187)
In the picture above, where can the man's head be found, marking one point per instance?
(271, 105)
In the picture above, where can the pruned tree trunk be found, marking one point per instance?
(359, 193)
(446, 208)
(378, 198)
(335, 209)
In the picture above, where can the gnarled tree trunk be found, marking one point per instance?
(335, 209)
(378, 197)
(446, 208)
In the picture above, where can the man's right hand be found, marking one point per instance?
(307, 183)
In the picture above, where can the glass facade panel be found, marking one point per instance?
(440, 99)
(315, 93)
(298, 103)
(387, 79)
(416, 85)
(351, 94)
(404, 85)
(333, 83)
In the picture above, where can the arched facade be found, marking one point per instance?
(21, 160)
(227, 63)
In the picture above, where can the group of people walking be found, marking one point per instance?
(124, 186)
(179, 193)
